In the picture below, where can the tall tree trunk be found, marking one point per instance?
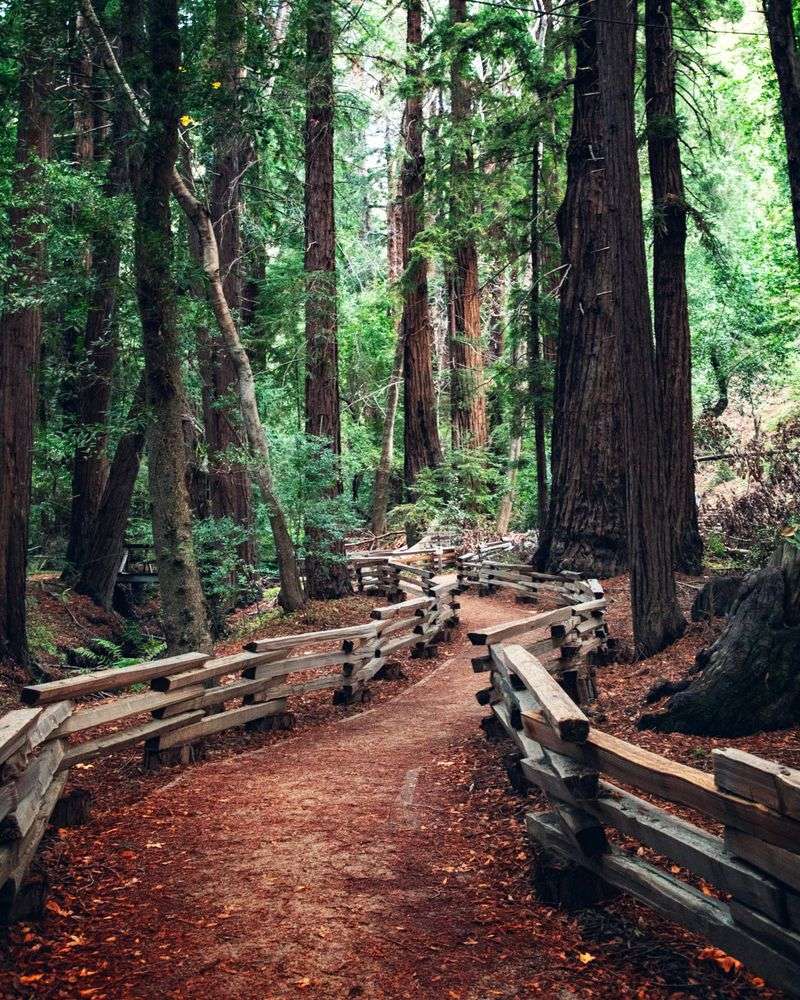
(327, 573)
(786, 59)
(21, 328)
(380, 494)
(506, 509)
(467, 390)
(229, 481)
(536, 365)
(182, 604)
(585, 527)
(657, 619)
(670, 297)
(423, 449)
(90, 464)
(290, 596)
(103, 556)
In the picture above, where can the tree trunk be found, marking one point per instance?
(103, 557)
(657, 619)
(536, 366)
(380, 494)
(327, 573)
(670, 297)
(749, 680)
(585, 527)
(467, 391)
(421, 432)
(90, 464)
(229, 481)
(290, 596)
(21, 328)
(182, 605)
(786, 59)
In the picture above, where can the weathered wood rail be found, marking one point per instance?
(394, 572)
(754, 913)
(190, 698)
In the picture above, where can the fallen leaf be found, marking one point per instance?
(584, 957)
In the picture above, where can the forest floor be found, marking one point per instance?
(377, 855)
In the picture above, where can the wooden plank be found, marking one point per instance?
(49, 722)
(16, 858)
(539, 771)
(676, 901)
(497, 633)
(657, 775)
(688, 845)
(781, 864)
(14, 729)
(110, 680)
(235, 663)
(29, 791)
(392, 610)
(564, 716)
(122, 708)
(127, 738)
(747, 775)
(786, 941)
(303, 638)
(217, 723)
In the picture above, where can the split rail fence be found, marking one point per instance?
(754, 866)
(190, 697)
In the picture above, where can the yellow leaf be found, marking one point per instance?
(216, 85)
(584, 957)
(186, 120)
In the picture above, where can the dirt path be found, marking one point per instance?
(379, 857)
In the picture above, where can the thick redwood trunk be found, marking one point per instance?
(585, 527)
(104, 552)
(182, 605)
(327, 574)
(21, 331)
(786, 59)
(670, 297)
(421, 432)
(657, 620)
(467, 390)
(228, 480)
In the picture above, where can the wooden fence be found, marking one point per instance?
(395, 572)
(190, 697)
(754, 913)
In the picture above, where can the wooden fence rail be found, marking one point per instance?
(754, 913)
(190, 697)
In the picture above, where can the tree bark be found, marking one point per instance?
(670, 296)
(786, 60)
(182, 605)
(748, 680)
(467, 391)
(228, 480)
(585, 528)
(657, 619)
(327, 573)
(103, 556)
(423, 449)
(21, 328)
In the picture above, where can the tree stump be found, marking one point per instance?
(716, 598)
(748, 680)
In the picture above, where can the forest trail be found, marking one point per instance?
(334, 864)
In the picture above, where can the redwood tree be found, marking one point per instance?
(585, 527)
(327, 572)
(182, 605)
(467, 390)
(21, 325)
(657, 619)
(786, 59)
(421, 432)
(670, 297)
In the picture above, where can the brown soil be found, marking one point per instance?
(376, 856)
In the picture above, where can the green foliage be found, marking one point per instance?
(223, 573)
